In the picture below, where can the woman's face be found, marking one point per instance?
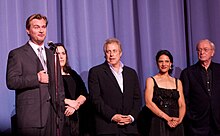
(164, 63)
(62, 55)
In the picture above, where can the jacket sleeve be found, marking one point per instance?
(17, 76)
(136, 98)
(95, 95)
(185, 82)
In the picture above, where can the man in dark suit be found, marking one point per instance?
(39, 110)
(201, 85)
(115, 93)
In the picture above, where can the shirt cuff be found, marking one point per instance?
(132, 119)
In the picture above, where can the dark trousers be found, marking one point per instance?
(120, 133)
(32, 132)
(206, 129)
(50, 129)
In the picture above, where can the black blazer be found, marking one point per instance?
(33, 99)
(198, 101)
(108, 99)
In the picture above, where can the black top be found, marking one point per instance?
(70, 87)
(166, 99)
(206, 77)
(74, 87)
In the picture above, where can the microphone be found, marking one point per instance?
(51, 45)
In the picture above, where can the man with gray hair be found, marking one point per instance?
(115, 93)
(201, 86)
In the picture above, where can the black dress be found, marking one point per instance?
(167, 101)
(74, 87)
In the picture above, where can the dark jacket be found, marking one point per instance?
(34, 100)
(200, 106)
(108, 99)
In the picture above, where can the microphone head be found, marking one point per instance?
(50, 42)
(51, 45)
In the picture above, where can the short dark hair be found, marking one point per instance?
(167, 53)
(35, 16)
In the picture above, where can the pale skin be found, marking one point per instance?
(164, 80)
(71, 105)
(205, 52)
(113, 54)
(37, 33)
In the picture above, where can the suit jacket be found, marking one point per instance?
(198, 102)
(108, 99)
(34, 100)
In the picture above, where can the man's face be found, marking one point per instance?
(37, 31)
(205, 51)
(113, 54)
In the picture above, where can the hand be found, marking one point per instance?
(43, 77)
(72, 103)
(122, 119)
(116, 118)
(125, 120)
(69, 110)
(174, 122)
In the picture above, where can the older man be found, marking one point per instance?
(201, 85)
(115, 93)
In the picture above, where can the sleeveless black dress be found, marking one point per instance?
(167, 101)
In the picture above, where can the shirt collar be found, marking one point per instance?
(120, 67)
(35, 46)
(203, 68)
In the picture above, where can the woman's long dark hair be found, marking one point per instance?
(66, 68)
(167, 53)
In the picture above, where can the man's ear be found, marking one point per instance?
(213, 53)
(27, 31)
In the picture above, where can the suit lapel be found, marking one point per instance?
(125, 79)
(32, 55)
(111, 75)
(215, 77)
(49, 61)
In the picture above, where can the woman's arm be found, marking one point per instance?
(181, 102)
(75, 103)
(150, 104)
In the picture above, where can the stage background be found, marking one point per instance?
(143, 27)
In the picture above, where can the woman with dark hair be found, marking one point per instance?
(164, 97)
(75, 93)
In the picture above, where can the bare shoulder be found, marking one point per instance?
(149, 82)
(149, 79)
(179, 81)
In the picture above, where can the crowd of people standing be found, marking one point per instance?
(52, 99)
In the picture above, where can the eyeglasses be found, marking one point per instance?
(203, 49)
